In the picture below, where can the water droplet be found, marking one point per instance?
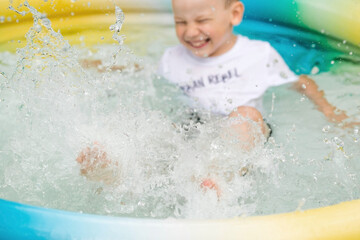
(356, 130)
(338, 142)
(243, 171)
(322, 31)
(332, 62)
(301, 204)
(37, 28)
(303, 86)
(116, 28)
(315, 70)
(283, 75)
(326, 129)
(2, 19)
(344, 42)
(328, 157)
(350, 53)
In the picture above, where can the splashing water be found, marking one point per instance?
(116, 28)
(51, 108)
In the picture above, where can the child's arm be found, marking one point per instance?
(308, 87)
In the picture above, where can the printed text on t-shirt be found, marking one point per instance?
(212, 79)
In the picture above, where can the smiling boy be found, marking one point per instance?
(227, 73)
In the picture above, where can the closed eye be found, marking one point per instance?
(203, 20)
(180, 22)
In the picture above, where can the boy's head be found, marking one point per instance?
(205, 26)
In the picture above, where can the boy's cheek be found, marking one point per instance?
(179, 32)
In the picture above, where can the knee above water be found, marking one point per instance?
(247, 112)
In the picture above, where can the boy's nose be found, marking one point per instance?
(192, 31)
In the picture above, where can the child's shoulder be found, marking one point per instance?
(174, 51)
(245, 42)
(172, 57)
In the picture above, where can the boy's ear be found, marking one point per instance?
(237, 13)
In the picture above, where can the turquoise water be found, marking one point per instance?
(51, 108)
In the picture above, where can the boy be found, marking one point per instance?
(228, 74)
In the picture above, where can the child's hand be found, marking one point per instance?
(335, 115)
(338, 116)
(351, 124)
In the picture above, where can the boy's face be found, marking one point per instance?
(205, 26)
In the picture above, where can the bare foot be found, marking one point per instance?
(96, 165)
(92, 158)
(210, 184)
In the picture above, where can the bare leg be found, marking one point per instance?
(246, 130)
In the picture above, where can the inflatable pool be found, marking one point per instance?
(24, 222)
(310, 35)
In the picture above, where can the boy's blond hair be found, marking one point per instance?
(229, 2)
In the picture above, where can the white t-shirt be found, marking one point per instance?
(238, 77)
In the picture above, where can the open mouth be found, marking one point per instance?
(199, 44)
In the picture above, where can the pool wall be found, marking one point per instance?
(20, 221)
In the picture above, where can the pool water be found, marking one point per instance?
(51, 107)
